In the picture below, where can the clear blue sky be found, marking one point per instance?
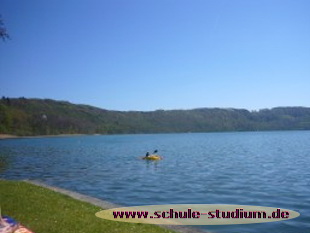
(158, 54)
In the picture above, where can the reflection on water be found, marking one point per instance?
(253, 168)
(151, 164)
(4, 162)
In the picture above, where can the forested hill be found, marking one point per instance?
(44, 116)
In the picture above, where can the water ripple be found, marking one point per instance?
(254, 168)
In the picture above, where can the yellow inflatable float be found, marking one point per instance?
(152, 157)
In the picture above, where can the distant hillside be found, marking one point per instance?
(45, 116)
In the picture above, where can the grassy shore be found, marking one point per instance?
(46, 211)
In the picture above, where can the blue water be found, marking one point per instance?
(247, 168)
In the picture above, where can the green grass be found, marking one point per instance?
(46, 211)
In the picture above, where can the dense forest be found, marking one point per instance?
(26, 117)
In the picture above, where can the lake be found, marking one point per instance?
(244, 168)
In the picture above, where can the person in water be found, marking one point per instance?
(155, 152)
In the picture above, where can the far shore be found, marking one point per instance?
(10, 136)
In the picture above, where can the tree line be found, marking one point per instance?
(26, 117)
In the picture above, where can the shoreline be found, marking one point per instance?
(44, 210)
(107, 205)
(10, 136)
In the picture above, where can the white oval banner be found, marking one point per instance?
(197, 214)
